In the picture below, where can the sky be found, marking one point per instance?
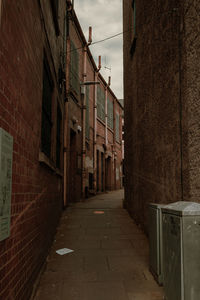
(105, 17)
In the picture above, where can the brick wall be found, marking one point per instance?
(190, 92)
(86, 178)
(27, 29)
(152, 106)
(161, 104)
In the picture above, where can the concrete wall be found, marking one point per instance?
(26, 31)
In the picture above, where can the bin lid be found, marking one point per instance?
(182, 208)
(156, 205)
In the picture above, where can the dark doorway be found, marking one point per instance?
(97, 170)
(115, 167)
(91, 181)
(108, 173)
(102, 172)
(72, 167)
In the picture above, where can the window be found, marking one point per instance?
(117, 127)
(54, 6)
(58, 136)
(87, 117)
(134, 18)
(46, 110)
(133, 45)
(110, 113)
(74, 69)
(100, 103)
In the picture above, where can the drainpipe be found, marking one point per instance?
(106, 112)
(84, 109)
(95, 127)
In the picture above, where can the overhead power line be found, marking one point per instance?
(120, 33)
(103, 40)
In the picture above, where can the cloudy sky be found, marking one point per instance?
(105, 17)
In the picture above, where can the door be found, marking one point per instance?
(72, 167)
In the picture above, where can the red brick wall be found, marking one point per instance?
(75, 106)
(36, 189)
(74, 163)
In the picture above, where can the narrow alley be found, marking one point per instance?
(110, 258)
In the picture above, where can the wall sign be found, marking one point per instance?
(6, 152)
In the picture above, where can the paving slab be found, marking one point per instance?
(110, 258)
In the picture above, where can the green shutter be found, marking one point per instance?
(87, 117)
(117, 127)
(110, 113)
(74, 69)
(100, 103)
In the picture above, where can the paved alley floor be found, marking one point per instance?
(110, 258)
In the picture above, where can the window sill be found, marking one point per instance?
(74, 93)
(110, 129)
(118, 142)
(43, 159)
(101, 121)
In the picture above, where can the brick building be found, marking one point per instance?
(162, 111)
(32, 113)
(94, 122)
(47, 133)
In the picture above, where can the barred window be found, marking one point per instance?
(46, 110)
(117, 127)
(100, 103)
(87, 117)
(134, 17)
(54, 6)
(58, 136)
(110, 113)
(134, 39)
(74, 69)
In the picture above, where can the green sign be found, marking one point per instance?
(6, 150)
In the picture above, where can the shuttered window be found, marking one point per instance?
(117, 127)
(74, 69)
(110, 113)
(100, 103)
(58, 136)
(46, 110)
(87, 116)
